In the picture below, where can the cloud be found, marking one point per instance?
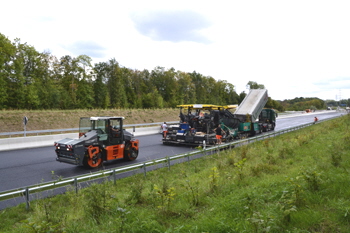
(89, 48)
(173, 26)
(335, 83)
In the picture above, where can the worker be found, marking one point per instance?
(315, 120)
(219, 132)
(114, 132)
(165, 129)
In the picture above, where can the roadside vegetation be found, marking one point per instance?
(296, 182)
(12, 120)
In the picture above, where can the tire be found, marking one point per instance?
(94, 162)
(130, 153)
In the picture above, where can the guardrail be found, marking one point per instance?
(50, 131)
(25, 192)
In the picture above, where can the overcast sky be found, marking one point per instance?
(296, 48)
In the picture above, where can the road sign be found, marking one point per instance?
(25, 120)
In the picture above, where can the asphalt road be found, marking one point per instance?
(21, 168)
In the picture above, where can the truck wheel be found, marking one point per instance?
(130, 153)
(93, 162)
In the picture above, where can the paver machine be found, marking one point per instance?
(197, 124)
(100, 139)
(198, 121)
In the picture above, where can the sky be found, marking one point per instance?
(295, 48)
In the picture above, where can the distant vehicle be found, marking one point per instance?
(100, 139)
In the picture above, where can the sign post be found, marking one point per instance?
(25, 121)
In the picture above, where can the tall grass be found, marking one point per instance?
(297, 182)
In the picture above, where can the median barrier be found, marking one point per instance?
(48, 140)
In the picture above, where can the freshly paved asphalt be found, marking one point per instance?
(21, 168)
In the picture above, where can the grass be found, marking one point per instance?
(11, 121)
(296, 182)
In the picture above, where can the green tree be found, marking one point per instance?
(47, 90)
(19, 76)
(115, 82)
(165, 83)
(242, 95)
(101, 99)
(84, 88)
(274, 104)
(7, 52)
(152, 100)
(186, 92)
(255, 85)
(200, 87)
(68, 80)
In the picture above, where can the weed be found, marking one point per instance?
(312, 178)
(244, 151)
(122, 214)
(230, 160)
(165, 195)
(96, 201)
(40, 227)
(336, 158)
(287, 205)
(294, 196)
(194, 193)
(286, 151)
(240, 165)
(261, 223)
(136, 192)
(213, 177)
(56, 177)
(271, 159)
(267, 143)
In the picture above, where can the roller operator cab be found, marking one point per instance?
(100, 139)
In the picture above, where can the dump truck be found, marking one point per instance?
(198, 121)
(252, 116)
(100, 139)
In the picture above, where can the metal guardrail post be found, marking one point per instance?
(26, 193)
(114, 177)
(144, 169)
(76, 185)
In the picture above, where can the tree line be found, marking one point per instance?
(33, 80)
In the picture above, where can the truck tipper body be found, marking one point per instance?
(252, 104)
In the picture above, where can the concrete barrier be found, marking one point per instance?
(48, 140)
